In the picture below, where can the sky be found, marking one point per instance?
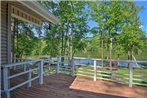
(142, 14)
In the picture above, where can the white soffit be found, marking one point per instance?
(20, 14)
(37, 8)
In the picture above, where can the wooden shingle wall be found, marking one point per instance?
(4, 58)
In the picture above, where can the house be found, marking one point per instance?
(27, 11)
(57, 85)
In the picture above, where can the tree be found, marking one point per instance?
(131, 35)
(70, 32)
(108, 16)
(118, 26)
(24, 39)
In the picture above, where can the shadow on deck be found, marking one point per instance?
(65, 86)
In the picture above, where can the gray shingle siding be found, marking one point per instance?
(4, 32)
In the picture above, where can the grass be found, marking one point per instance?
(97, 54)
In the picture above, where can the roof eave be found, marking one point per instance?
(37, 8)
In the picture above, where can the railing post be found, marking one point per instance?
(130, 75)
(94, 78)
(24, 67)
(29, 78)
(102, 63)
(58, 65)
(41, 72)
(73, 67)
(6, 82)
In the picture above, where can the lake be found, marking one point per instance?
(90, 62)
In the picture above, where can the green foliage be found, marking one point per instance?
(116, 20)
(131, 35)
(67, 37)
(24, 40)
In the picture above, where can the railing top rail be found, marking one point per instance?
(21, 63)
(65, 56)
(129, 61)
(22, 59)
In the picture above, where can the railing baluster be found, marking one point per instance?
(24, 67)
(41, 72)
(58, 65)
(73, 67)
(29, 78)
(94, 70)
(130, 75)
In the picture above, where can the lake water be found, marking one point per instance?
(90, 62)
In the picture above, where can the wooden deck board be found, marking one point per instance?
(64, 86)
(105, 87)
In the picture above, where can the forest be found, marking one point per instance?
(117, 34)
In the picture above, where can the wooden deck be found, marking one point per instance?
(65, 86)
(111, 88)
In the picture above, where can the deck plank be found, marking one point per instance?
(63, 86)
(105, 87)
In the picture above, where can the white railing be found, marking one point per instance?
(68, 64)
(6, 77)
(97, 71)
(16, 60)
(97, 74)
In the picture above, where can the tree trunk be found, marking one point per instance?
(102, 49)
(71, 45)
(129, 54)
(110, 53)
(62, 47)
